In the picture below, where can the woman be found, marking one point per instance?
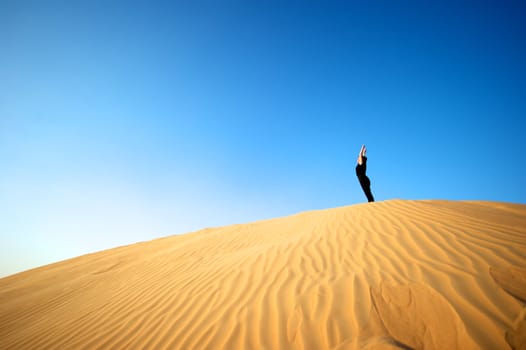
(360, 172)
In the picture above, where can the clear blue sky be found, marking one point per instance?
(124, 121)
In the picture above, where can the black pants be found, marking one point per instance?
(366, 187)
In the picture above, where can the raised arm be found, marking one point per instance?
(362, 154)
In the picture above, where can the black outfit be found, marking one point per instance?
(364, 180)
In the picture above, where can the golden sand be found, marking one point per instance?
(384, 275)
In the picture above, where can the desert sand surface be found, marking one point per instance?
(385, 275)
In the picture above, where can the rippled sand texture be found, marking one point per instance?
(384, 275)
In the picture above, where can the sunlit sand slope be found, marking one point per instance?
(384, 275)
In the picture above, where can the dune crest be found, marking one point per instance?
(383, 275)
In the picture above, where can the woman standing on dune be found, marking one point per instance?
(361, 167)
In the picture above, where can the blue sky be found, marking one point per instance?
(125, 121)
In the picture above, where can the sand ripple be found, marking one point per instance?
(384, 275)
(513, 280)
(417, 316)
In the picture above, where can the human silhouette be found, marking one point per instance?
(361, 167)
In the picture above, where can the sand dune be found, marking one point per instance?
(384, 275)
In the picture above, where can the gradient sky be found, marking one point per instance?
(124, 121)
